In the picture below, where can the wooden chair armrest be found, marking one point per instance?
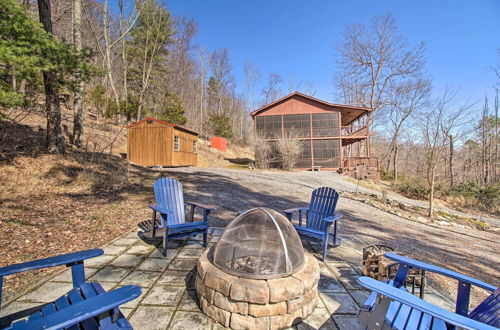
(85, 309)
(203, 206)
(333, 218)
(439, 270)
(64, 259)
(159, 209)
(296, 209)
(421, 305)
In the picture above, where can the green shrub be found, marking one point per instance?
(412, 189)
(389, 175)
(220, 125)
(386, 175)
(466, 189)
(481, 225)
(489, 197)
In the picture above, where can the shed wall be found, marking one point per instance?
(186, 155)
(151, 144)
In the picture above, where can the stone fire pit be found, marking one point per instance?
(258, 276)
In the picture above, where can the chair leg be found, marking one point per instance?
(377, 317)
(205, 238)
(192, 213)
(335, 240)
(165, 241)
(153, 225)
(325, 246)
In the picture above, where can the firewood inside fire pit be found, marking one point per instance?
(252, 264)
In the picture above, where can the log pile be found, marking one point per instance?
(375, 265)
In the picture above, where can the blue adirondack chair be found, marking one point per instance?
(391, 306)
(320, 216)
(86, 306)
(172, 209)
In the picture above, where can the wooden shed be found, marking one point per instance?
(154, 142)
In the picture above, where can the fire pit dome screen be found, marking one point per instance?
(259, 244)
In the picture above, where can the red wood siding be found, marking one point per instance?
(297, 105)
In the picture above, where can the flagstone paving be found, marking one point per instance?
(168, 299)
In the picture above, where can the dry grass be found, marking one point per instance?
(367, 184)
(235, 155)
(52, 204)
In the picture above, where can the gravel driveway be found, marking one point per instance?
(463, 249)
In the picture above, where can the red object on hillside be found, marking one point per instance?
(219, 143)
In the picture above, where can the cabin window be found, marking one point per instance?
(305, 159)
(297, 125)
(326, 153)
(268, 126)
(325, 124)
(177, 143)
(195, 147)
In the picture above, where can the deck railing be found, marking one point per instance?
(354, 130)
(355, 161)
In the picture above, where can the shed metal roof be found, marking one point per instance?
(164, 123)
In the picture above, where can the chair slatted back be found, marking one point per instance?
(323, 203)
(489, 310)
(169, 195)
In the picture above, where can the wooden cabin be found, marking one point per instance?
(335, 136)
(154, 142)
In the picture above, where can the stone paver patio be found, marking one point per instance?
(168, 300)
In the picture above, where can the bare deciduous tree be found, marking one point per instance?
(252, 75)
(221, 73)
(271, 92)
(403, 103)
(453, 122)
(106, 49)
(262, 152)
(303, 87)
(374, 62)
(289, 147)
(434, 140)
(80, 85)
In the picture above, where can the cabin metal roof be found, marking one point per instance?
(349, 111)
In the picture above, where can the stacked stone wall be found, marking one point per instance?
(242, 303)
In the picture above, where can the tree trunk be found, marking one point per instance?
(55, 142)
(452, 179)
(395, 163)
(139, 108)
(107, 52)
(497, 142)
(431, 192)
(78, 96)
(124, 59)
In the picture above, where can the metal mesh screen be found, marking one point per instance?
(259, 244)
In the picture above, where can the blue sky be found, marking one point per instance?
(297, 38)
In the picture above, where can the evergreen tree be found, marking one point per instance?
(220, 125)
(172, 110)
(26, 52)
(213, 94)
(129, 108)
(147, 48)
(97, 98)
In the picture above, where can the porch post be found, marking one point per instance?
(341, 165)
(311, 141)
(368, 134)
